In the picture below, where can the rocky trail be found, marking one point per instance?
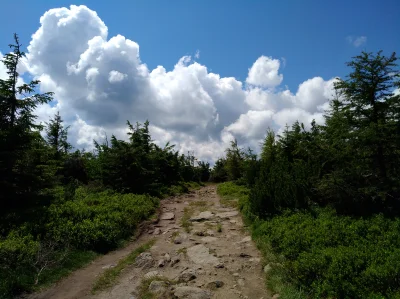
(201, 251)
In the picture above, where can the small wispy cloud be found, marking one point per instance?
(356, 41)
(283, 59)
(197, 55)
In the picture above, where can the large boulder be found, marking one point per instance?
(200, 254)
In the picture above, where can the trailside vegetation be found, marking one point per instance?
(324, 202)
(61, 207)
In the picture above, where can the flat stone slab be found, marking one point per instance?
(200, 254)
(151, 274)
(192, 293)
(168, 216)
(226, 215)
(207, 215)
(246, 239)
(208, 239)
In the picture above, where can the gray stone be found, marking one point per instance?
(175, 260)
(200, 254)
(144, 260)
(198, 233)
(210, 233)
(227, 215)
(208, 239)
(168, 216)
(109, 266)
(151, 274)
(187, 275)
(178, 240)
(167, 257)
(157, 286)
(215, 284)
(246, 239)
(157, 231)
(161, 263)
(192, 293)
(241, 282)
(219, 266)
(207, 215)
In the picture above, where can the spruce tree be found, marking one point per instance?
(19, 133)
(56, 135)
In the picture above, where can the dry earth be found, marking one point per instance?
(216, 259)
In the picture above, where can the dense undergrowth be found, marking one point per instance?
(69, 234)
(320, 254)
(323, 200)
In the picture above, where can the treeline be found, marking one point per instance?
(60, 207)
(327, 199)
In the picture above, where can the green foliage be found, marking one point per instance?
(336, 256)
(140, 166)
(325, 254)
(285, 173)
(66, 236)
(56, 135)
(232, 191)
(219, 173)
(108, 278)
(19, 179)
(361, 138)
(98, 221)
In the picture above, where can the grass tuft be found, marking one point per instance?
(185, 221)
(110, 276)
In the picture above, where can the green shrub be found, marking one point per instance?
(337, 256)
(98, 221)
(232, 191)
(325, 254)
(17, 257)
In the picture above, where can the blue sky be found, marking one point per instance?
(282, 55)
(310, 35)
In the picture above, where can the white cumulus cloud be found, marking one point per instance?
(265, 72)
(100, 82)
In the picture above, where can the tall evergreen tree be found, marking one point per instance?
(57, 134)
(18, 130)
(362, 132)
(370, 104)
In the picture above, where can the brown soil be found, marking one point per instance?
(240, 267)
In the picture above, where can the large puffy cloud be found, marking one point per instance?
(265, 72)
(100, 82)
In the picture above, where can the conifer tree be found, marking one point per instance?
(56, 135)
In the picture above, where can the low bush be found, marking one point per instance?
(98, 221)
(67, 235)
(329, 255)
(230, 190)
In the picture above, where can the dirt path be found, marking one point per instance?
(209, 255)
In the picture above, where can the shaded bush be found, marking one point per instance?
(325, 254)
(98, 221)
(337, 256)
